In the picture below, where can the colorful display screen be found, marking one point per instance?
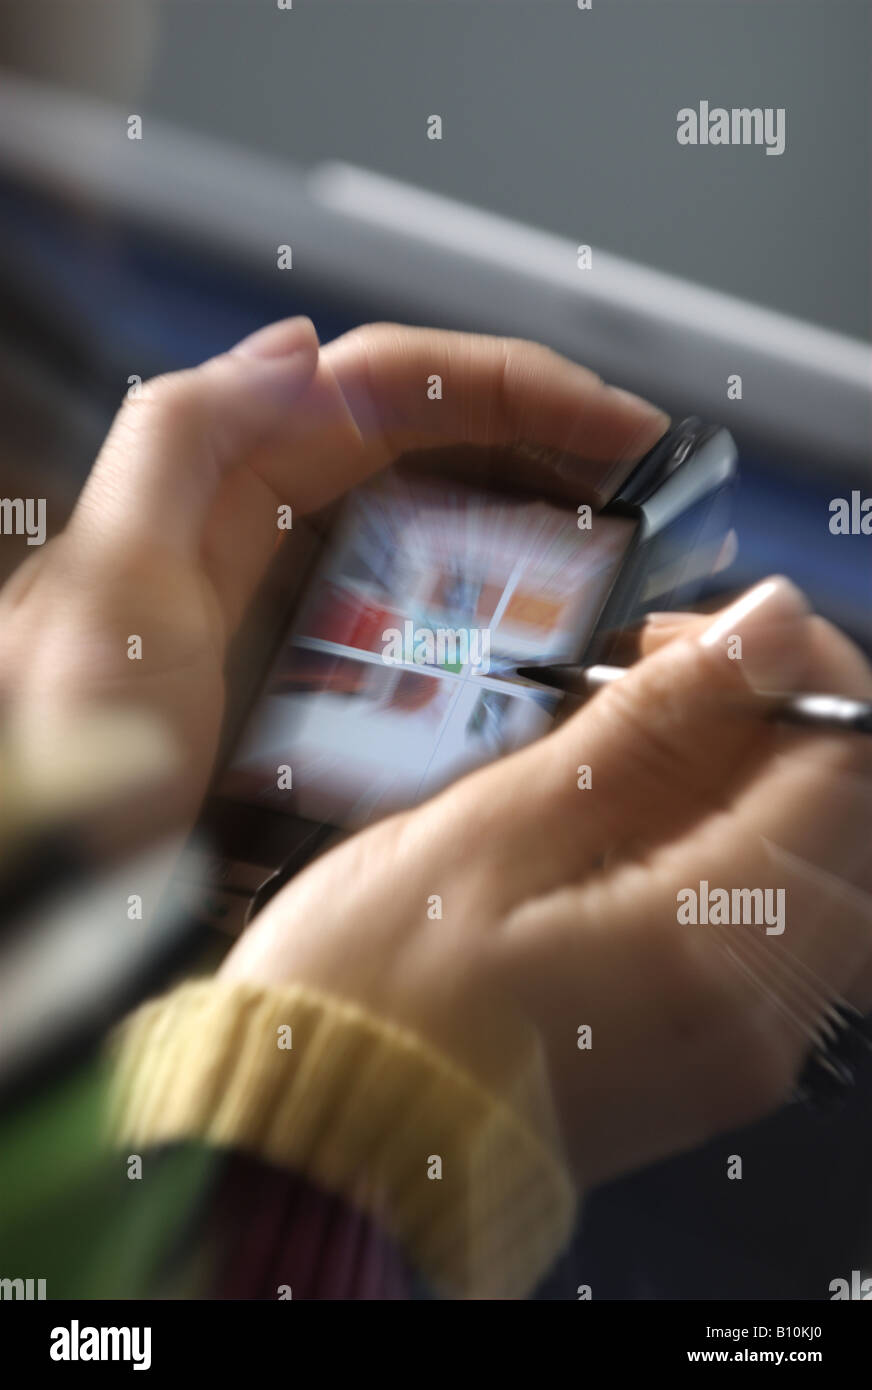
(390, 682)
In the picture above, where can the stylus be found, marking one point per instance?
(832, 712)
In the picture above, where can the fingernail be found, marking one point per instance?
(669, 619)
(762, 633)
(641, 405)
(653, 423)
(278, 340)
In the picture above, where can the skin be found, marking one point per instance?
(559, 905)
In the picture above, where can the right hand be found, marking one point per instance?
(559, 904)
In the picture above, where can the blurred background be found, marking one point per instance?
(307, 127)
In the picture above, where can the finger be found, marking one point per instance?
(764, 941)
(623, 646)
(811, 810)
(665, 746)
(834, 664)
(514, 406)
(810, 815)
(735, 1005)
(368, 403)
(802, 826)
(660, 628)
(268, 424)
(172, 446)
(493, 392)
(690, 1047)
(799, 831)
(702, 1026)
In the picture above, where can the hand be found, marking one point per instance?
(178, 520)
(560, 905)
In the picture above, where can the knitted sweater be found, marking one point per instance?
(362, 1120)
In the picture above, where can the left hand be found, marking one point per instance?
(178, 519)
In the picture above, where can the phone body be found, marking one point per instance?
(375, 667)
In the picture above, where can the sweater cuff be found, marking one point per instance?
(480, 1200)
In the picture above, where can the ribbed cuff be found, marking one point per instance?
(360, 1106)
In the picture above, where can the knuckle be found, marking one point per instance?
(518, 365)
(650, 712)
(372, 338)
(168, 403)
(721, 1012)
(527, 356)
(164, 397)
(170, 392)
(844, 761)
(639, 708)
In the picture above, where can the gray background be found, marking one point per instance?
(562, 118)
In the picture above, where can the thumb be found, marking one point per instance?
(175, 440)
(664, 746)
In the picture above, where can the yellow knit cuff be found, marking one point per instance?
(363, 1108)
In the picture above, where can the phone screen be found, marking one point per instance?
(388, 683)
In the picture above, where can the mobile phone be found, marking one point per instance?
(374, 672)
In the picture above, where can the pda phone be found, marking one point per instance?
(373, 672)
